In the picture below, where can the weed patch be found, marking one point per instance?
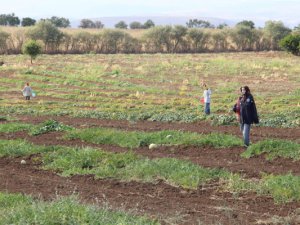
(20, 209)
(273, 149)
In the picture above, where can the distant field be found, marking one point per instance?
(157, 87)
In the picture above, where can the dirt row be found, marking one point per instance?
(226, 158)
(170, 205)
(257, 133)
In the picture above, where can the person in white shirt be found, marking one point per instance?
(27, 91)
(206, 96)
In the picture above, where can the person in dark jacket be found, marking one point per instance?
(248, 113)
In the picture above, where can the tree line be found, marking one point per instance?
(12, 20)
(156, 39)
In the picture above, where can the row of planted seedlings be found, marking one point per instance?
(78, 102)
(129, 166)
(22, 209)
(86, 89)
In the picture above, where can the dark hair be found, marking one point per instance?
(247, 89)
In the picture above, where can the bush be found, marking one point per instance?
(291, 43)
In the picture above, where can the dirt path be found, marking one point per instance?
(170, 204)
(257, 133)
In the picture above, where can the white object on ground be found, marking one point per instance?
(153, 146)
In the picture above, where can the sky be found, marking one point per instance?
(258, 11)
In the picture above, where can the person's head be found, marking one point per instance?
(27, 84)
(245, 90)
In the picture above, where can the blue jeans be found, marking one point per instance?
(207, 108)
(245, 128)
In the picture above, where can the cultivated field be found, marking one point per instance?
(87, 134)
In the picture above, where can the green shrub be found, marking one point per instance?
(291, 43)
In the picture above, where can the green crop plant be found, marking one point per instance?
(134, 139)
(274, 148)
(283, 188)
(69, 81)
(20, 209)
(48, 126)
(14, 127)
(128, 166)
(14, 148)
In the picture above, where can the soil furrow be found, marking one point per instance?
(208, 206)
(227, 158)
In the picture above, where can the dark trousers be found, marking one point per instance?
(27, 97)
(207, 108)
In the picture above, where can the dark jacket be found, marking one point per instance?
(248, 110)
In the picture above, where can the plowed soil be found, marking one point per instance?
(170, 205)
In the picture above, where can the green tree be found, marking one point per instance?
(84, 41)
(178, 33)
(32, 48)
(3, 20)
(160, 38)
(27, 21)
(135, 25)
(275, 31)
(9, 20)
(87, 23)
(195, 23)
(148, 24)
(246, 23)
(219, 39)
(297, 29)
(244, 37)
(222, 26)
(121, 25)
(59, 21)
(3, 41)
(291, 43)
(48, 33)
(114, 40)
(198, 39)
(99, 24)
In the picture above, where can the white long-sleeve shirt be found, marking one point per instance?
(206, 95)
(27, 91)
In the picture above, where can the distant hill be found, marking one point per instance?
(109, 22)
